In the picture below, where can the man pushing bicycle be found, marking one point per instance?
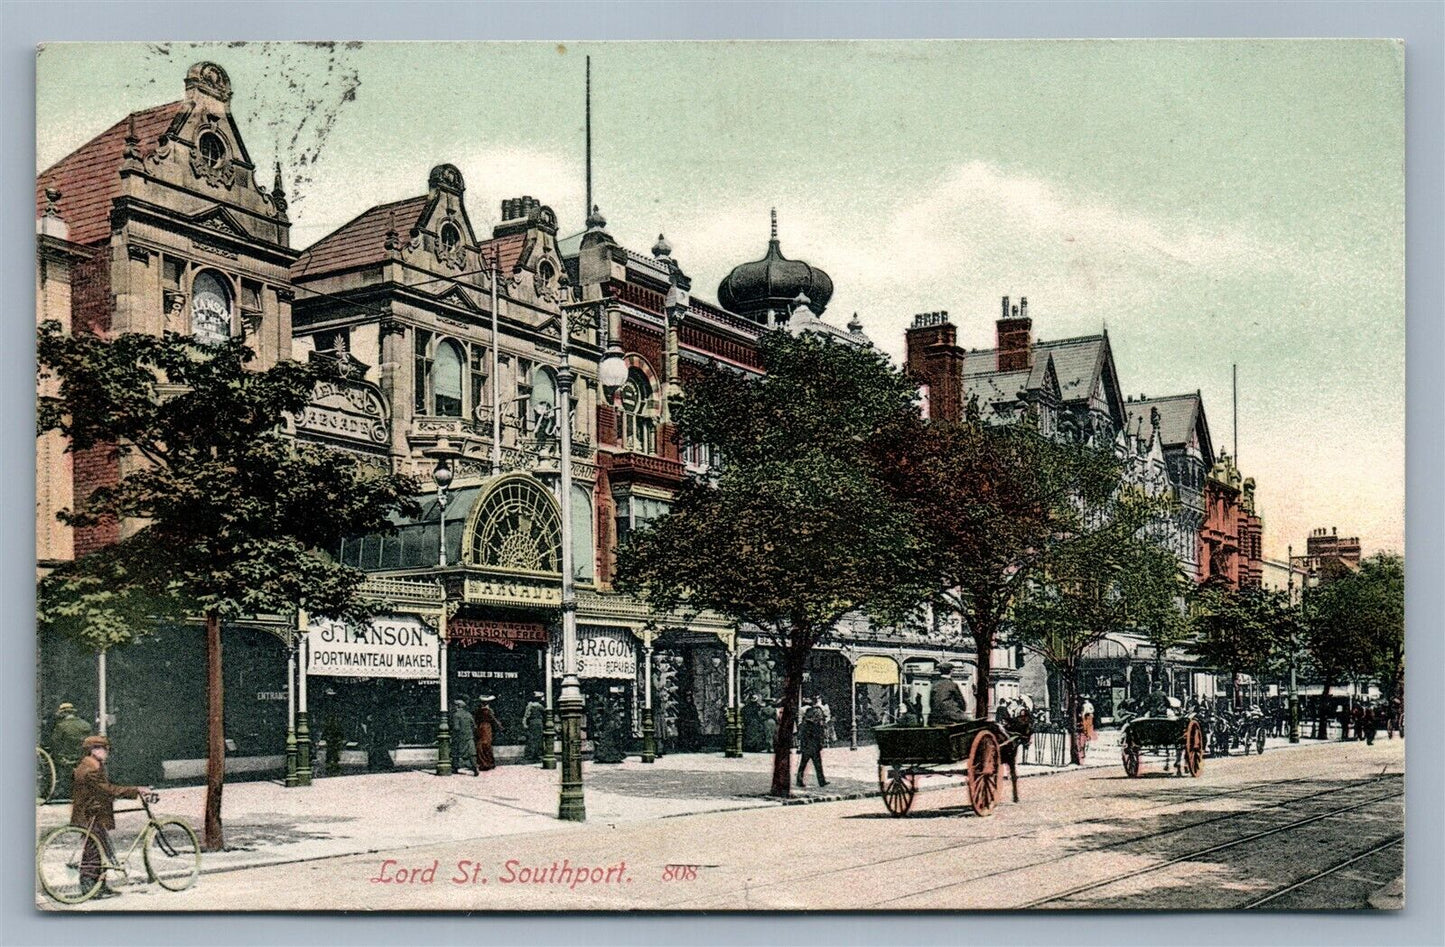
(93, 807)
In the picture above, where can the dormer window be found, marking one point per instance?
(212, 148)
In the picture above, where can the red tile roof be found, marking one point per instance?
(360, 242)
(508, 249)
(89, 177)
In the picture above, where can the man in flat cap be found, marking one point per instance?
(93, 807)
(945, 700)
(66, 738)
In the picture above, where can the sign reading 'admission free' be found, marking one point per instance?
(383, 647)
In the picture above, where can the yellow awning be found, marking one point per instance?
(873, 669)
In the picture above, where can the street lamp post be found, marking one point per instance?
(1294, 728)
(442, 474)
(571, 804)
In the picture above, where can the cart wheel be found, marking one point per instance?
(1194, 748)
(1131, 760)
(1259, 743)
(983, 773)
(898, 789)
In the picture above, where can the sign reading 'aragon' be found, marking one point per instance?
(383, 647)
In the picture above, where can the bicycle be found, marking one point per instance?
(44, 777)
(169, 848)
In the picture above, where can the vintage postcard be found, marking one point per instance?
(720, 476)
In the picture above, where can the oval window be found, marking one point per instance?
(212, 148)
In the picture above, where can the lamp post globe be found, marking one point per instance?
(612, 369)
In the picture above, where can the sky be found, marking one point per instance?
(1210, 203)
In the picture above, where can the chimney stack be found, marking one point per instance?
(1015, 337)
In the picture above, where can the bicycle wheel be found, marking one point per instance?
(44, 777)
(172, 854)
(57, 864)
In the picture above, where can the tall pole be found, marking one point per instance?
(649, 737)
(496, 379)
(1235, 423)
(303, 725)
(291, 715)
(444, 736)
(571, 806)
(101, 715)
(549, 718)
(587, 211)
(1293, 654)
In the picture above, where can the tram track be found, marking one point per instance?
(1338, 866)
(1132, 840)
(1191, 856)
(955, 844)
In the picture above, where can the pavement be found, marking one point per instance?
(1319, 826)
(266, 823)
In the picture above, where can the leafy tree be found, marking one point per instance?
(1242, 631)
(226, 516)
(1108, 577)
(1355, 625)
(794, 532)
(990, 502)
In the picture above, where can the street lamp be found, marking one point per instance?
(572, 805)
(442, 473)
(1294, 643)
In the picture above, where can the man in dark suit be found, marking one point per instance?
(811, 735)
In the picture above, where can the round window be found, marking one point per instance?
(212, 148)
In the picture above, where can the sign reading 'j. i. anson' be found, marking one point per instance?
(383, 647)
(602, 653)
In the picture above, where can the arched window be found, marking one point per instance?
(639, 426)
(210, 307)
(447, 381)
(517, 526)
(542, 403)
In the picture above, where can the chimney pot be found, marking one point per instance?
(1005, 308)
(1023, 306)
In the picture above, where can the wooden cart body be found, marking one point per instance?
(1183, 736)
(980, 747)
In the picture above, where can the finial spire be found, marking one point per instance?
(278, 191)
(773, 236)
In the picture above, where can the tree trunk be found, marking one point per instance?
(1070, 681)
(983, 645)
(1323, 718)
(215, 734)
(795, 658)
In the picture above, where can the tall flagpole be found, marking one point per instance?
(1236, 415)
(587, 211)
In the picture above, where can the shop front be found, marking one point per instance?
(876, 681)
(607, 670)
(503, 659)
(373, 689)
(690, 691)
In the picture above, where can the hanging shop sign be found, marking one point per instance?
(873, 669)
(383, 647)
(602, 653)
(508, 634)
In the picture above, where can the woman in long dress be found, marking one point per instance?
(487, 726)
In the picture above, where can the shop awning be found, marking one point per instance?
(874, 669)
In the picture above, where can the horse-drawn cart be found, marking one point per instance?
(905, 753)
(1183, 736)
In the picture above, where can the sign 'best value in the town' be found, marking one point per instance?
(383, 647)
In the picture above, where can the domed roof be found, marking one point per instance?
(772, 283)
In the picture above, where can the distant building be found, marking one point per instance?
(1330, 554)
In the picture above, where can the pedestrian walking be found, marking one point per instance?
(755, 735)
(533, 719)
(464, 748)
(810, 741)
(1396, 720)
(1357, 719)
(487, 726)
(1086, 720)
(93, 807)
(1370, 722)
(830, 734)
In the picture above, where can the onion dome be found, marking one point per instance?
(662, 250)
(595, 220)
(773, 283)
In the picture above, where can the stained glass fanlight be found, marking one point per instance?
(518, 528)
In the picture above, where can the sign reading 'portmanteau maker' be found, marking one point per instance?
(383, 647)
